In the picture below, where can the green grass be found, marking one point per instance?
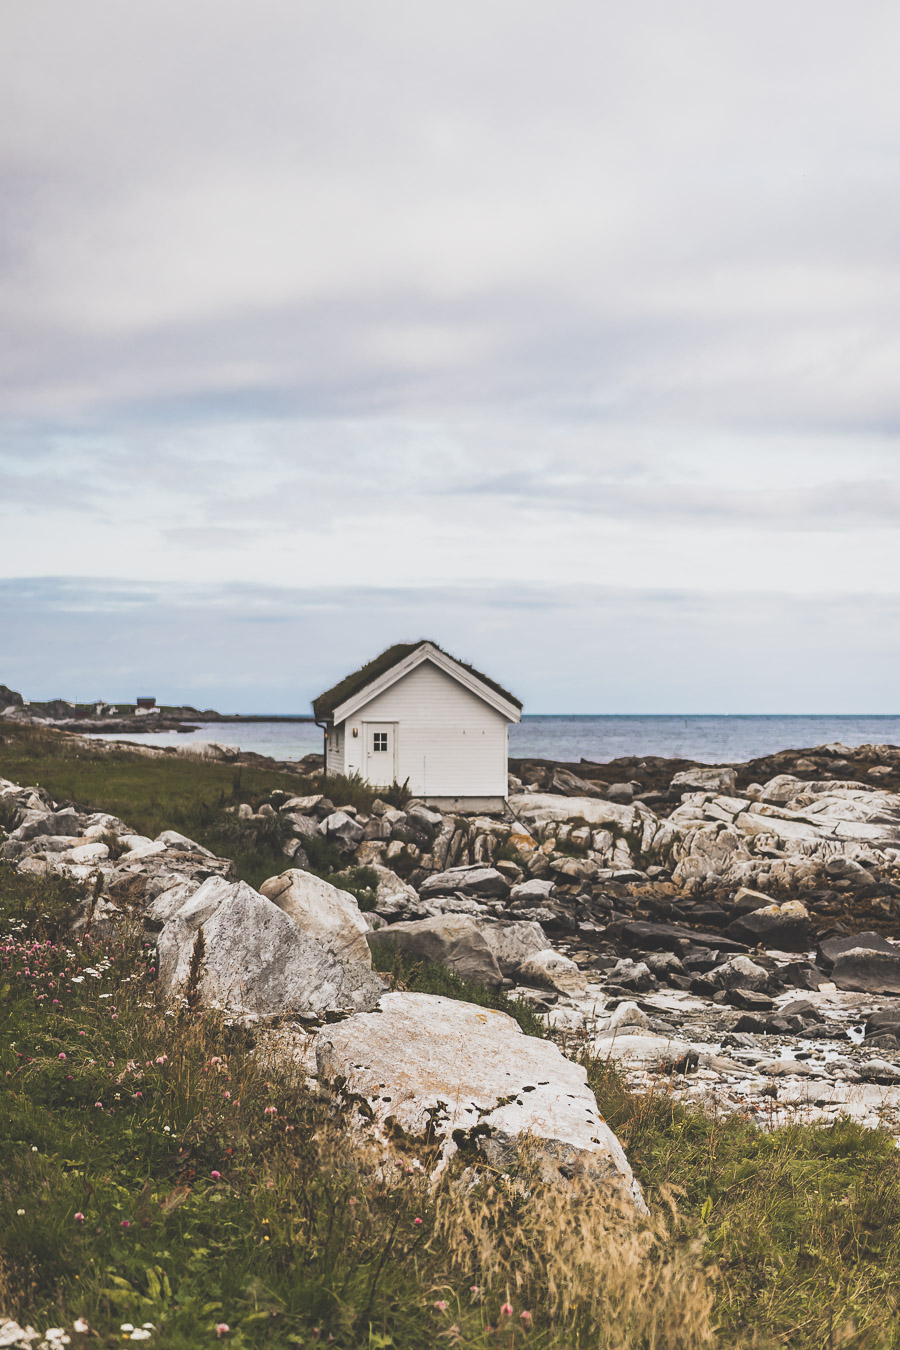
(801, 1224)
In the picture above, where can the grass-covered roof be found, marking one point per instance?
(325, 704)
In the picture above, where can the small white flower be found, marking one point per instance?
(127, 1326)
(20, 1211)
(140, 1334)
(82, 1326)
(34, 1148)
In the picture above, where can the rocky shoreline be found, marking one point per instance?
(723, 936)
(101, 718)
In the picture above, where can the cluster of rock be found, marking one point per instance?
(299, 949)
(731, 933)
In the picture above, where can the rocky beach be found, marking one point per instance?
(729, 929)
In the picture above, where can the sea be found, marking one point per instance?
(598, 738)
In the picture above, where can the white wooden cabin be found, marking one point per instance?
(417, 715)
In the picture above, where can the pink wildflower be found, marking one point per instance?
(271, 1111)
(78, 1217)
(506, 1310)
(126, 1223)
(222, 1329)
(62, 1054)
(417, 1222)
(215, 1175)
(441, 1305)
(526, 1318)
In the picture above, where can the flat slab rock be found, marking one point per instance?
(432, 1067)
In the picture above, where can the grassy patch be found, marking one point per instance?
(361, 882)
(801, 1224)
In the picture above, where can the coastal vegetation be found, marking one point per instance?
(158, 1175)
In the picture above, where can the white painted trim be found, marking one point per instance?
(428, 652)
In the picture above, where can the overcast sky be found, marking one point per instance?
(566, 334)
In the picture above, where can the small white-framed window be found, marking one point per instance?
(380, 740)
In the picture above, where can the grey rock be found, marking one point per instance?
(746, 901)
(512, 943)
(866, 971)
(254, 959)
(786, 927)
(431, 1067)
(454, 941)
(341, 829)
(554, 971)
(829, 949)
(322, 911)
(713, 779)
(482, 883)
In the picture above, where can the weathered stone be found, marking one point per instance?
(421, 817)
(867, 971)
(786, 927)
(568, 783)
(669, 937)
(660, 1053)
(253, 959)
(321, 911)
(713, 779)
(340, 828)
(829, 949)
(553, 970)
(450, 940)
(513, 943)
(434, 1068)
(746, 901)
(480, 882)
(172, 839)
(534, 891)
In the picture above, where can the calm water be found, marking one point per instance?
(712, 740)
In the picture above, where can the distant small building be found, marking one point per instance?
(417, 715)
(145, 703)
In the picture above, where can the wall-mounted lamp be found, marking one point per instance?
(356, 731)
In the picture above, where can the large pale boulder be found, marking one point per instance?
(450, 940)
(478, 882)
(534, 891)
(251, 957)
(434, 1069)
(321, 911)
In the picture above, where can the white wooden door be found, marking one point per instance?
(381, 751)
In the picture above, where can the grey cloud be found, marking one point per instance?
(562, 649)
